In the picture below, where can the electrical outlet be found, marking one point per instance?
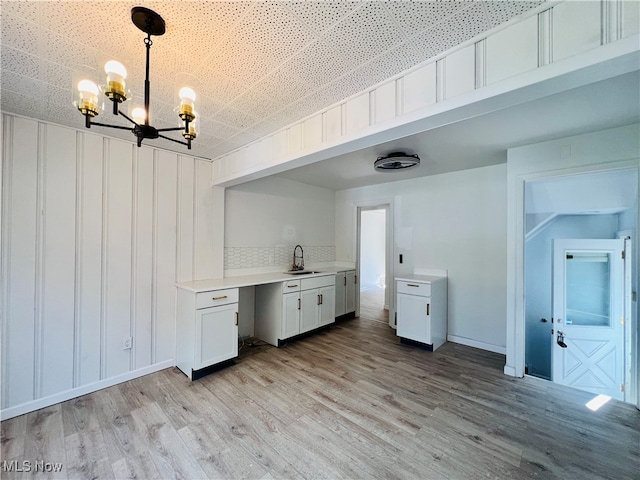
(127, 342)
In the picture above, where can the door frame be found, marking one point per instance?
(386, 204)
(517, 176)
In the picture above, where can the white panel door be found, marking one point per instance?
(327, 305)
(309, 318)
(216, 335)
(413, 320)
(290, 314)
(587, 349)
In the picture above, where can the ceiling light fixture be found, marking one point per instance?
(115, 89)
(396, 161)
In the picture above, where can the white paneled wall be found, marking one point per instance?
(514, 50)
(95, 233)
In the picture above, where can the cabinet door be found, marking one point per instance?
(413, 318)
(351, 291)
(327, 305)
(309, 317)
(290, 314)
(341, 288)
(216, 335)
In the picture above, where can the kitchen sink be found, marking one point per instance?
(300, 272)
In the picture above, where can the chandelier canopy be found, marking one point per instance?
(115, 90)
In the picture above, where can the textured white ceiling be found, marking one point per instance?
(259, 65)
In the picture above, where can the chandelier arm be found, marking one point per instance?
(174, 140)
(111, 126)
(125, 116)
(175, 129)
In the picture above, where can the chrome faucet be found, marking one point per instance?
(298, 265)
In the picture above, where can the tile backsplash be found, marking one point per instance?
(256, 257)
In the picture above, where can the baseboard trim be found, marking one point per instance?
(34, 405)
(473, 343)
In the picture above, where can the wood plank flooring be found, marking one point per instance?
(349, 402)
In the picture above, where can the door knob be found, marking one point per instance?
(560, 339)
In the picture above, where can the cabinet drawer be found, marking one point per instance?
(414, 288)
(291, 286)
(216, 297)
(318, 282)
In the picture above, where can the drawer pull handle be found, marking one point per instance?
(318, 301)
(292, 286)
(427, 309)
(355, 279)
(298, 304)
(412, 285)
(236, 319)
(219, 298)
(345, 280)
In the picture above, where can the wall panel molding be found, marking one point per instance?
(104, 259)
(77, 325)
(39, 293)
(90, 255)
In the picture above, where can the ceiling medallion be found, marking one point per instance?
(115, 89)
(396, 161)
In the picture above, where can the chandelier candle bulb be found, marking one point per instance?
(88, 102)
(139, 115)
(187, 100)
(116, 75)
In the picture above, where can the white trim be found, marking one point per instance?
(388, 205)
(31, 406)
(474, 343)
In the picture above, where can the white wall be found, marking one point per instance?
(454, 221)
(266, 218)
(539, 276)
(372, 248)
(95, 232)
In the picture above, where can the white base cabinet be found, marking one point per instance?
(206, 329)
(293, 307)
(345, 292)
(421, 307)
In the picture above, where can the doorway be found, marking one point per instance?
(589, 211)
(373, 262)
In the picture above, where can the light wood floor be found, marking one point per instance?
(349, 402)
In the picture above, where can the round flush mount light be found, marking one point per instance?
(396, 161)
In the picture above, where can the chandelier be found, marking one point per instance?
(115, 89)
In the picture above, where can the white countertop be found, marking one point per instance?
(250, 280)
(420, 278)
